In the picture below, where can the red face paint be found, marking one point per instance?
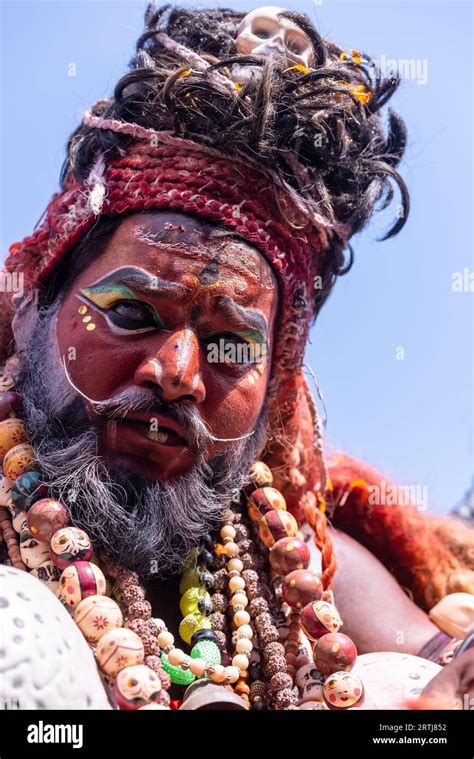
(149, 310)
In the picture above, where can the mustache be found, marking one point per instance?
(192, 427)
(132, 398)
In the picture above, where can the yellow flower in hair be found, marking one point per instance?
(321, 502)
(356, 56)
(358, 484)
(185, 73)
(362, 93)
(297, 67)
(343, 57)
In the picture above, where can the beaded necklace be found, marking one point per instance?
(233, 593)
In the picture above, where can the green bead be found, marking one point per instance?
(189, 579)
(178, 676)
(190, 624)
(207, 650)
(189, 600)
(27, 489)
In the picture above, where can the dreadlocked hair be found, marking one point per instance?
(324, 121)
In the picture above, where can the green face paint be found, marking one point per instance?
(252, 336)
(105, 296)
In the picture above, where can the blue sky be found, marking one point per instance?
(412, 418)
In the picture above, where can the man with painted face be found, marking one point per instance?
(155, 408)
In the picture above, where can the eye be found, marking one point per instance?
(262, 32)
(295, 45)
(132, 315)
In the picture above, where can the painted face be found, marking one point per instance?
(263, 32)
(136, 686)
(179, 308)
(69, 544)
(343, 690)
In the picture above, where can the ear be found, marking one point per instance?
(24, 319)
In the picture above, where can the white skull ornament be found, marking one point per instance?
(310, 683)
(263, 32)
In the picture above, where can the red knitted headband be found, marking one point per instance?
(160, 170)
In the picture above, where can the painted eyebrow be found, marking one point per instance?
(245, 317)
(140, 281)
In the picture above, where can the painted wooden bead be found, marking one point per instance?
(18, 460)
(33, 552)
(68, 545)
(45, 517)
(289, 554)
(8, 373)
(320, 618)
(27, 489)
(96, 615)
(334, 652)
(80, 580)
(301, 587)
(20, 521)
(310, 683)
(118, 649)
(10, 403)
(6, 382)
(136, 686)
(264, 500)
(343, 690)
(5, 490)
(14, 510)
(12, 433)
(48, 574)
(276, 525)
(260, 474)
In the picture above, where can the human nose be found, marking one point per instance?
(174, 367)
